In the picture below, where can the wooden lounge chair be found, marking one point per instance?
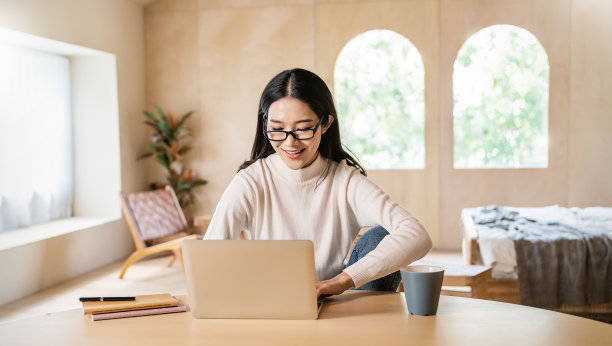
(157, 224)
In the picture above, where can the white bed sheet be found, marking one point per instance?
(497, 249)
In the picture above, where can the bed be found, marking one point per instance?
(556, 257)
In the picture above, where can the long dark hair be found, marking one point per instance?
(312, 90)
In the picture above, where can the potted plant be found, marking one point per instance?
(168, 148)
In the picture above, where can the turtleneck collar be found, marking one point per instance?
(302, 176)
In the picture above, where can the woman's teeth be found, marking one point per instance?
(295, 152)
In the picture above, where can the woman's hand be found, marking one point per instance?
(337, 285)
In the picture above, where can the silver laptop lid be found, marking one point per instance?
(251, 279)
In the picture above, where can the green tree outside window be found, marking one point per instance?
(379, 91)
(500, 92)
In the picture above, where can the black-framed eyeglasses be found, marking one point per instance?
(302, 134)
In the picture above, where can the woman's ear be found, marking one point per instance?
(330, 120)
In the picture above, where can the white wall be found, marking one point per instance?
(115, 27)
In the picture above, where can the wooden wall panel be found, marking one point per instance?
(590, 155)
(240, 51)
(242, 44)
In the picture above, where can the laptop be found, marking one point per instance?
(264, 279)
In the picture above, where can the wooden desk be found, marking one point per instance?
(353, 318)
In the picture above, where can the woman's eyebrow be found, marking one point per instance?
(297, 122)
(304, 121)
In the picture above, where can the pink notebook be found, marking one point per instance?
(135, 313)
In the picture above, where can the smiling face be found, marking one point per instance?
(290, 114)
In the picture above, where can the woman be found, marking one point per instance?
(300, 184)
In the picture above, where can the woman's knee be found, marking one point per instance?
(370, 239)
(377, 232)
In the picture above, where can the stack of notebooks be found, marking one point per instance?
(141, 306)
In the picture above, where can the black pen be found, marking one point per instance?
(106, 299)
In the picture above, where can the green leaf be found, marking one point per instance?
(151, 116)
(153, 125)
(169, 159)
(152, 149)
(168, 153)
(179, 126)
(162, 115)
(184, 150)
(165, 130)
(182, 187)
(163, 161)
(183, 118)
(144, 156)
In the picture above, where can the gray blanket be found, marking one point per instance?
(556, 264)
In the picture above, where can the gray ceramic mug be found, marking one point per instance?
(422, 285)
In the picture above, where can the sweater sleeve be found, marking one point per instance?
(407, 240)
(232, 212)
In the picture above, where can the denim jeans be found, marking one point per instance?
(366, 243)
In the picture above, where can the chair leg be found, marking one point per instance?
(171, 261)
(133, 257)
(178, 253)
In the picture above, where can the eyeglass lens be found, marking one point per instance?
(297, 134)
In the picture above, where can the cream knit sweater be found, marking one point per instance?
(272, 201)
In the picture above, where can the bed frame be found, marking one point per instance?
(508, 290)
(469, 243)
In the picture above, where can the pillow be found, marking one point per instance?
(40, 208)
(9, 214)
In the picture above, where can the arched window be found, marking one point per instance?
(379, 91)
(500, 92)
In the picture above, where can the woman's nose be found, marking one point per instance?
(291, 138)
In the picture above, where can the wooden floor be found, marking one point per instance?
(149, 276)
